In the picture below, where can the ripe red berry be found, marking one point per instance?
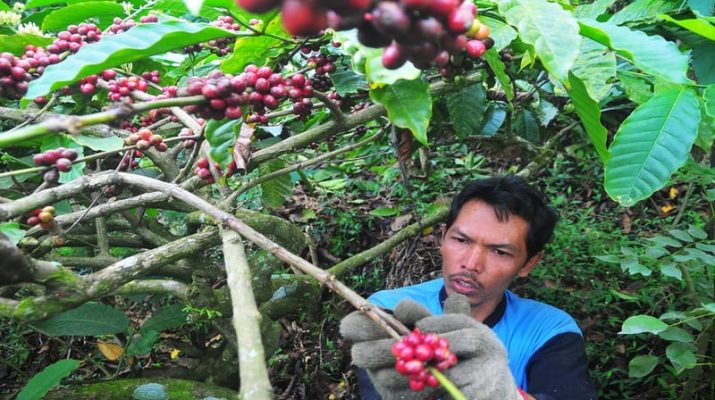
(258, 6)
(63, 165)
(300, 18)
(476, 48)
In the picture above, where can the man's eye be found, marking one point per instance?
(460, 240)
(501, 252)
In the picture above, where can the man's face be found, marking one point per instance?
(482, 255)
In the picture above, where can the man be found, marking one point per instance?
(495, 232)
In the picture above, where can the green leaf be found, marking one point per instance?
(672, 271)
(704, 63)
(194, 6)
(593, 10)
(377, 75)
(549, 28)
(652, 54)
(637, 88)
(37, 387)
(703, 7)
(710, 307)
(222, 135)
(642, 323)
(12, 231)
(143, 344)
(502, 33)
(641, 366)
(4, 7)
(609, 258)
(102, 11)
(99, 143)
(696, 25)
(275, 191)
(408, 104)
(495, 117)
(525, 125)
(664, 241)
(642, 9)
(499, 70)
(680, 235)
(252, 50)
(677, 334)
(137, 43)
(545, 112)
(590, 114)
(168, 317)
(89, 319)
(385, 212)
(466, 107)
(709, 99)
(681, 355)
(348, 81)
(595, 67)
(16, 43)
(652, 143)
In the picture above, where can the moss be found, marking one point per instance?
(122, 389)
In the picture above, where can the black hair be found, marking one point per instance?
(510, 194)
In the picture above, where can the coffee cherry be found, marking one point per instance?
(63, 165)
(416, 351)
(51, 176)
(476, 48)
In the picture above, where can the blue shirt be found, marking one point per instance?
(524, 326)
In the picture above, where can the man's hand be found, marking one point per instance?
(481, 372)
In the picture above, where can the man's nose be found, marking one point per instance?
(475, 259)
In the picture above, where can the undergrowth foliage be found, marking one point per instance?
(139, 137)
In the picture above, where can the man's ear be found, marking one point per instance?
(529, 265)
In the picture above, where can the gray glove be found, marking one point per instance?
(481, 372)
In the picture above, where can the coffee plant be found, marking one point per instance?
(107, 107)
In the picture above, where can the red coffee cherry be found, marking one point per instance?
(417, 351)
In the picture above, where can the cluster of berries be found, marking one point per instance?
(418, 350)
(130, 159)
(121, 88)
(221, 46)
(14, 76)
(145, 139)
(119, 25)
(42, 216)
(74, 37)
(203, 171)
(323, 64)
(260, 89)
(61, 158)
(425, 32)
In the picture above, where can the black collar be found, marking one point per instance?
(492, 319)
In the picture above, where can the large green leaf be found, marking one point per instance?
(593, 10)
(378, 75)
(709, 98)
(99, 143)
(49, 377)
(525, 125)
(466, 107)
(15, 44)
(101, 11)
(704, 7)
(495, 116)
(347, 81)
(638, 88)
(704, 63)
(652, 54)
(596, 67)
(275, 191)
(137, 43)
(681, 355)
(642, 9)
(641, 366)
(4, 7)
(89, 319)
(258, 49)
(499, 70)
(590, 115)
(168, 317)
(502, 33)
(549, 28)
(408, 104)
(651, 144)
(12, 231)
(642, 324)
(222, 135)
(695, 25)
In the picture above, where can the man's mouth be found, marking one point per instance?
(463, 285)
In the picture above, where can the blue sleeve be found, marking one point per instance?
(365, 387)
(559, 370)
